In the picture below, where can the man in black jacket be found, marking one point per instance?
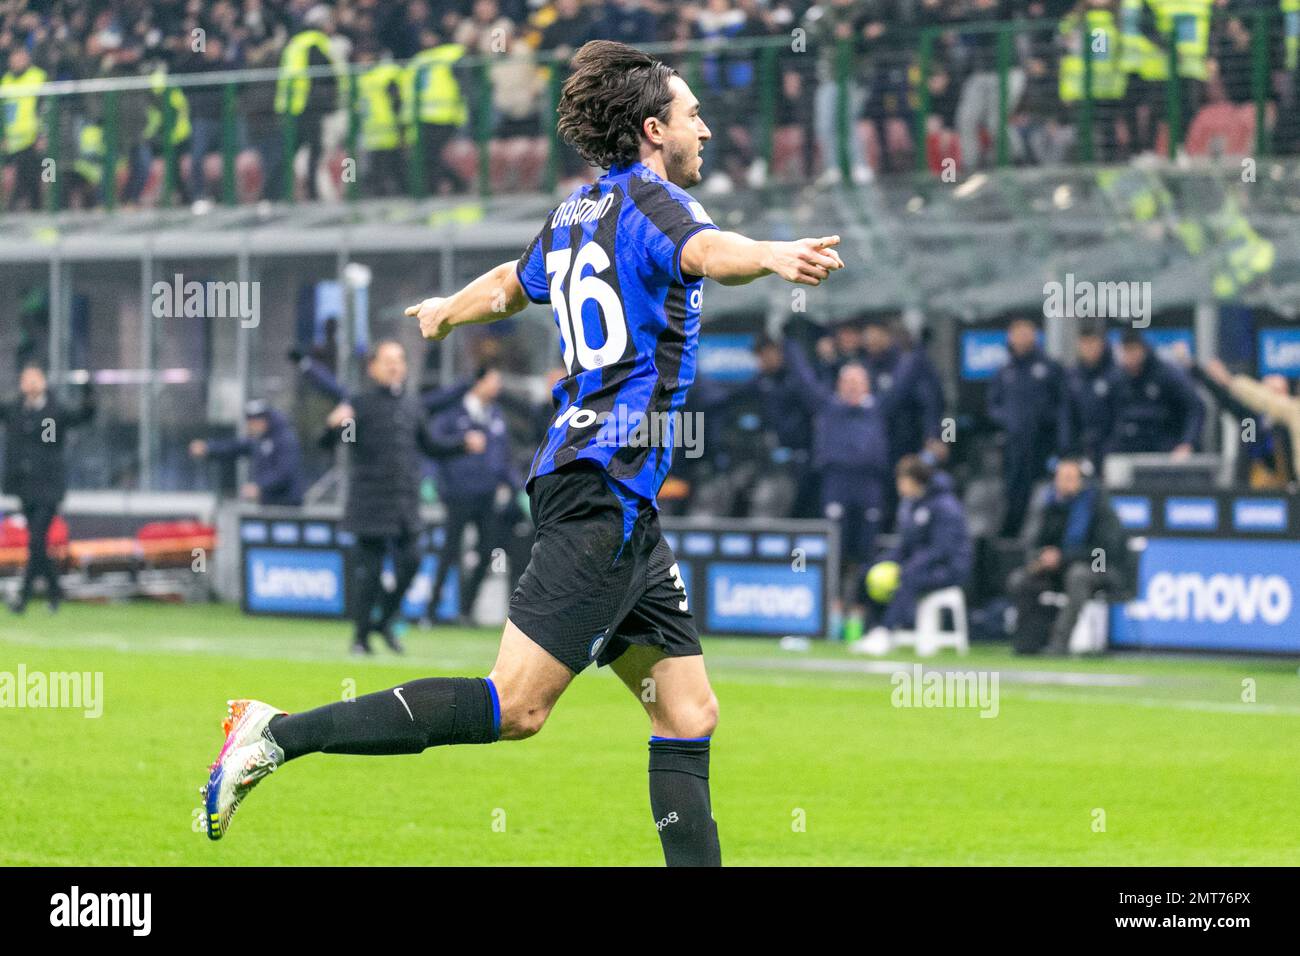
(1157, 408)
(34, 473)
(1077, 545)
(1024, 401)
(387, 435)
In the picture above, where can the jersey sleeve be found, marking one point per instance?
(669, 217)
(531, 270)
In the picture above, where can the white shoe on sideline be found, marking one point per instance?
(877, 643)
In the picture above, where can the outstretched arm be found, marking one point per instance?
(494, 295)
(733, 259)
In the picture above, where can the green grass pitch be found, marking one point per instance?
(1127, 760)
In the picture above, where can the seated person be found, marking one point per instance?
(1076, 544)
(933, 551)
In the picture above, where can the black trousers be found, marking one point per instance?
(387, 172)
(479, 511)
(1024, 463)
(367, 579)
(434, 138)
(39, 515)
(310, 134)
(27, 180)
(1039, 626)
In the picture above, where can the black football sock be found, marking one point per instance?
(679, 799)
(403, 720)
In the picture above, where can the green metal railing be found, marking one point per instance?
(65, 106)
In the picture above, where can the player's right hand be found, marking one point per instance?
(432, 324)
(806, 261)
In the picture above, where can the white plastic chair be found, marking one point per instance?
(1091, 632)
(929, 637)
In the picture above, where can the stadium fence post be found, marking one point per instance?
(767, 80)
(350, 185)
(1173, 98)
(554, 87)
(843, 65)
(1004, 67)
(1259, 80)
(415, 144)
(109, 185)
(923, 96)
(53, 148)
(229, 151)
(290, 133)
(169, 147)
(1086, 150)
(483, 125)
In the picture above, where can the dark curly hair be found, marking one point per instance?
(612, 91)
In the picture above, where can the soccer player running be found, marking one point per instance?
(621, 263)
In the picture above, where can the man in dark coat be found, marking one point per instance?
(1157, 408)
(386, 435)
(36, 426)
(275, 474)
(1088, 405)
(1024, 400)
(477, 482)
(1077, 545)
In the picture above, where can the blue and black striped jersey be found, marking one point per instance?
(608, 260)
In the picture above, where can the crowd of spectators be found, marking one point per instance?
(82, 39)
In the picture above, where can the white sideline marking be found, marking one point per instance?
(1010, 676)
(1169, 703)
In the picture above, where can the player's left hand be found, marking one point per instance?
(433, 325)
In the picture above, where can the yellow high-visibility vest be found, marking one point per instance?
(1138, 55)
(1186, 24)
(1109, 80)
(294, 84)
(380, 123)
(22, 123)
(1291, 32)
(89, 163)
(153, 123)
(432, 93)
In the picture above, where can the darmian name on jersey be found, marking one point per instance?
(577, 211)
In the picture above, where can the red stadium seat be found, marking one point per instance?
(249, 177)
(462, 156)
(1222, 129)
(13, 532)
(898, 143)
(940, 145)
(788, 153)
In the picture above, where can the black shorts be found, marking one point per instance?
(601, 576)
